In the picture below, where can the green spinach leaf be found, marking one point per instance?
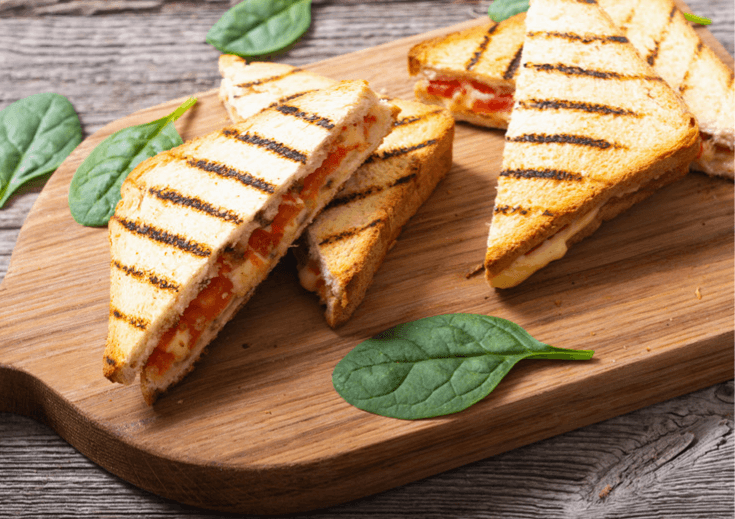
(500, 10)
(260, 27)
(437, 365)
(95, 187)
(36, 134)
(701, 20)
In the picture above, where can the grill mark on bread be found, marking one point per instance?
(651, 58)
(229, 172)
(552, 174)
(477, 55)
(309, 118)
(395, 152)
(627, 20)
(132, 320)
(291, 97)
(578, 37)
(154, 279)
(684, 86)
(415, 118)
(563, 104)
(349, 233)
(510, 72)
(563, 138)
(269, 79)
(573, 70)
(159, 235)
(653, 54)
(508, 209)
(369, 191)
(265, 143)
(177, 198)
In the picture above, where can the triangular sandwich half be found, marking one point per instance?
(489, 54)
(346, 244)
(201, 225)
(471, 72)
(594, 130)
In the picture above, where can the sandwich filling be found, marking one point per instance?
(239, 268)
(311, 278)
(714, 158)
(471, 95)
(552, 249)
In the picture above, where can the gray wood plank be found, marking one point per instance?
(674, 459)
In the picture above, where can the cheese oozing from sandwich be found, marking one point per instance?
(241, 267)
(537, 258)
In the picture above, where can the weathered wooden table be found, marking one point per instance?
(672, 459)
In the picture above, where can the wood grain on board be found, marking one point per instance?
(257, 426)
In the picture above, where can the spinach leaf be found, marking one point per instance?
(36, 134)
(260, 27)
(701, 20)
(500, 10)
(437, 365)
(95, 187)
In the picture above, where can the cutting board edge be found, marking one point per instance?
(165, 476)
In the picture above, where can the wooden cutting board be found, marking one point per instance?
(257, 427)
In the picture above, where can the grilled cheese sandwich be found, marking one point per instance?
(656, 28)
(343, 248)
(593, 131)
(201, 225)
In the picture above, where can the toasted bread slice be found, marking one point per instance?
(349, 240)
(341, 251)
(201, 225)
(470, 72)
(248, 88)
(656, 28)
(668, 42)
(594, 129)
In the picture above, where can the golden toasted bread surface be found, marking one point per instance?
(464, 70)
(592, 121)
(248, 88)
(668, 42)
(351, 237)
(182, 209)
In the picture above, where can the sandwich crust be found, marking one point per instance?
(592, 125)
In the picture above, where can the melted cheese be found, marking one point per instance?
(552, 249)
(309, 278)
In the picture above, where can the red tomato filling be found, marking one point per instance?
(210, 302)
(501, 102)
(314, 181)
(215, 297)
